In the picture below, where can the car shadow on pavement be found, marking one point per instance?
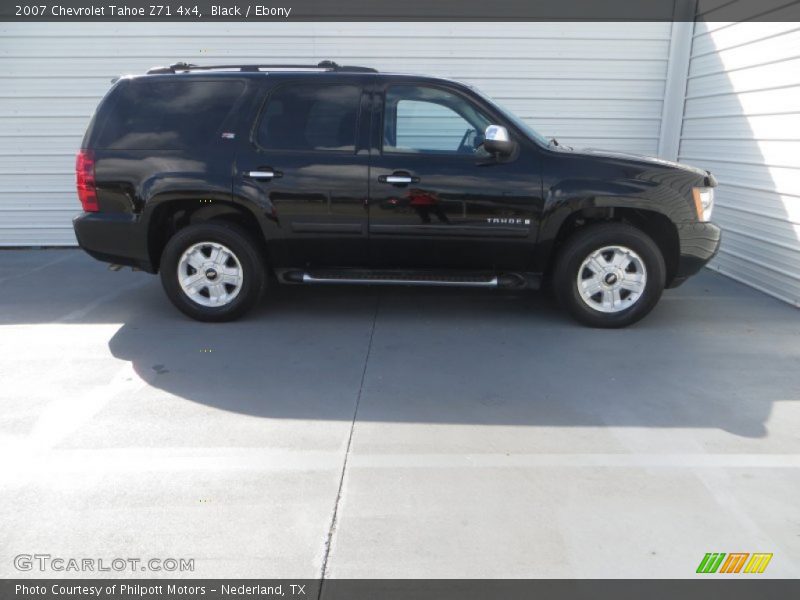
(714, 354)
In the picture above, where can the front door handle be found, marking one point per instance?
(264, 174)
(398, 178)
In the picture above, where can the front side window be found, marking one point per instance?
(419, 119)
(310, 117)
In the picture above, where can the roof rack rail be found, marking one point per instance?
(325, 65)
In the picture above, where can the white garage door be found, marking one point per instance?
(742, 121)
(589, 84)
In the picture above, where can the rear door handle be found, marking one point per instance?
(264, 174)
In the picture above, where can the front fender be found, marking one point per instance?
(595, 197)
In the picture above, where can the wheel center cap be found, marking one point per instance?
(211, 274)
(611, 278)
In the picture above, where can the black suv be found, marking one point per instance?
(213, 176)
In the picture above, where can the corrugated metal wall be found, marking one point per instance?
(742, 121)
(589, 84)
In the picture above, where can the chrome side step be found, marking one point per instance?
(421, 277)
(450, 282)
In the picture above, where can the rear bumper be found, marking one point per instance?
(113, 237)
(699, 243)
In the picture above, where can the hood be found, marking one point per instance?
(639, 158)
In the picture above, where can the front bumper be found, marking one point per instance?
(113, 237)
(699, 243)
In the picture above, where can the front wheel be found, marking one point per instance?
(609, 275)
(212, 271)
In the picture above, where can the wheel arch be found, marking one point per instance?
(167, 217)
(636, 212)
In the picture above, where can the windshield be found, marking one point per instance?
(527, 129)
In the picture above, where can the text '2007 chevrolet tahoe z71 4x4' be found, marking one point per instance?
(212, 176)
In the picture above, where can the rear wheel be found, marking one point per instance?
(212, 271)
(609, 275)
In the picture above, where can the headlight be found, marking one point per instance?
(703, 202)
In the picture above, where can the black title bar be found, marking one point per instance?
(187, 11)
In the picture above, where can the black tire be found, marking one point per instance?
(245, 251)
(591, 239)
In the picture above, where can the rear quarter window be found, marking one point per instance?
(167, 115)
(307, 116)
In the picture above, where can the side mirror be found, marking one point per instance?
(497, 141)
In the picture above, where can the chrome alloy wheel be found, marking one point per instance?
(612, 279)
(210, 274)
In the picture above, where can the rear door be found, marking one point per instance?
(307, 160)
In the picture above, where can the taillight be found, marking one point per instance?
(84, 178)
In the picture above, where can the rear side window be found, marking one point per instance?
(310, 117)
(168, 115)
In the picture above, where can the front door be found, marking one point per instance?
(308, 160)
(437, 198)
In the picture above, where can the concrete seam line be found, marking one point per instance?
(80, 313)
(334, 517)
(38, 268)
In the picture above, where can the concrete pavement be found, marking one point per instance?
(393, 432)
